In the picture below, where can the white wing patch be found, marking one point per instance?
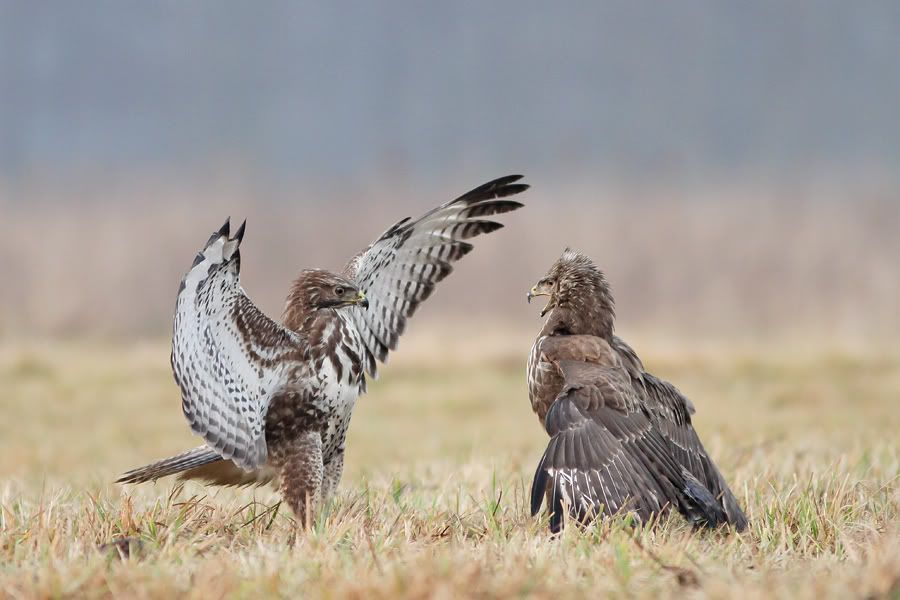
(228, 358)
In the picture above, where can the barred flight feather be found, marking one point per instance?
(400, 269)
(217, 332)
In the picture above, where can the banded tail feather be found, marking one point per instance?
(202, 464)
(179, 463)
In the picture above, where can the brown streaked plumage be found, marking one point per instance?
(621, 440)
(273, 401)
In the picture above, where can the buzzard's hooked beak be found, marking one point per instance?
(540, 290)
(362, 300)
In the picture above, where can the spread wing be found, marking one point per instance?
(228, 358)
(401, 268)
(605, 455)
(671, 414)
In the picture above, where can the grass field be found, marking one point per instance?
(433, 502)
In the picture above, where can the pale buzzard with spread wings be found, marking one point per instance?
(273, 401)
(621, 440)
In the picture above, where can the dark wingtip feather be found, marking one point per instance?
(538, 487)
(738, 520)
(239, 235)
(222, 231)
(556, 514)
(710, 511)
(497, 188)
(505, 206)
(503, 181)
(491, 206)
(393, 229)
(225, 228)
(512, 190)
(475, 228)
(740, 523)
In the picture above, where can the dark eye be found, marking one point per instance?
(339, 291)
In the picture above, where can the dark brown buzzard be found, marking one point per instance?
(621, 440)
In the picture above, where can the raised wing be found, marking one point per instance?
(228, 358)
(605, 455)
(401, 268)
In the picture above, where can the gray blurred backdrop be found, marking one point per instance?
(732, 165)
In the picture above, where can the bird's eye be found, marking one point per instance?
(339, 291)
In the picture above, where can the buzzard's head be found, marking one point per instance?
(316, 289)
(575, 282)
(546, 286)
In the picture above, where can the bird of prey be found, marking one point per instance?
(621, 440)
(273, 401)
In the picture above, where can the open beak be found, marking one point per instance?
(534, 293)
(361, 300)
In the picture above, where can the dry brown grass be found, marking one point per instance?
(434, 500)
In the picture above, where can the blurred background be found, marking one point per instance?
(733, 166)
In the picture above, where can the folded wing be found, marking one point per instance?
(401, 268)
(606, 456)
(228, 358)
(671, 413)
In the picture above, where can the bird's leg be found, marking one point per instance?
(334, 468)
(301, 476)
